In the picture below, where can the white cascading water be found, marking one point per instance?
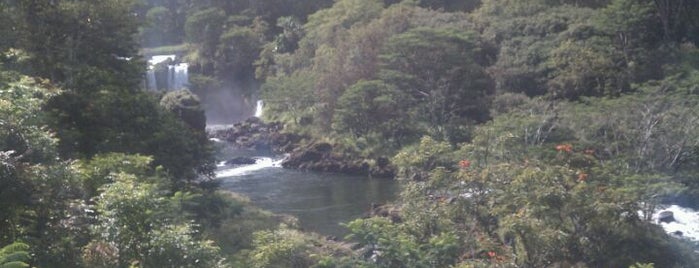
(180, 76)
(177, 76)
(170, 77)
(160, 58)
(150, 79)
(686, 221)
(260, 163)
(258, 108)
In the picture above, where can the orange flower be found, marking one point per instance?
(582, 177)
(464, 163)
(492, 254)
(564, 148)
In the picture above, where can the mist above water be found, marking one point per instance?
(227, 105)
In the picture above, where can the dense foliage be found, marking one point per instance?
(547, 125)
(94, 171)
(527, 133)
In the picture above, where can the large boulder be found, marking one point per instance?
(307, 157)
(284, 142)
(314, 155)
(252, 133)
(185, 105)
(241, 161)
(666, 216)
(383, 168)
(387, 211)
(322, 156)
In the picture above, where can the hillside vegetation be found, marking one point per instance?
(526, 133)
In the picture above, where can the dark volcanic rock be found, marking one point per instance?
(284, 142)
(241, 161)
(321, 157)
(386, 211)
(383, 168)
(251, 134)
(666, 216)
(302, 154)
(305, 156)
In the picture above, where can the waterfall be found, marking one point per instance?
(170, 77)
(150, 80)
(175, 77)
(258, 108)
(180, 76)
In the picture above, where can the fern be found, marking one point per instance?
(14, 255)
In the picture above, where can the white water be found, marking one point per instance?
(177, 75)
(160, 58)
(258, 108)
(262, 163)
(686, 221)
(180, 76)
(150, 79)
(170, 76)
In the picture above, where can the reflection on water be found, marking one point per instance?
(321, 201)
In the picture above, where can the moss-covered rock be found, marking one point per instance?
(186, 106)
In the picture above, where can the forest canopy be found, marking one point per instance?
(525, 133)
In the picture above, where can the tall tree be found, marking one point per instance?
(81, 45)
(444, 71)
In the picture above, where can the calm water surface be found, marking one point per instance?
(321, 201)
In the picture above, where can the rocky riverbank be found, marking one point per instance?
(303, 152)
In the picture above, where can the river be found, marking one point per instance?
(321, 201)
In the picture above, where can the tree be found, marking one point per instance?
(287, 247)
(292, 31)
(636, 35)
(290, 96)
(443, 71)
(38, 189)
(678, 19)
(140, 224)
(374, 107)
(160, 29)
(527, 32)
(131, 123)
(326, 30)
(237, 50)
(81, 45)
(585, 68)
(204, 28)
(560, 208)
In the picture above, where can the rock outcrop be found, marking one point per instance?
(241, 161)
(666, 216)
(251, 133)
(303, 152)
(323, 156)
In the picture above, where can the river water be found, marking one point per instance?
(321, 201)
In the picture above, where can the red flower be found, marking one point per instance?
(564, 148)
(464, 163)
(492, 254)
